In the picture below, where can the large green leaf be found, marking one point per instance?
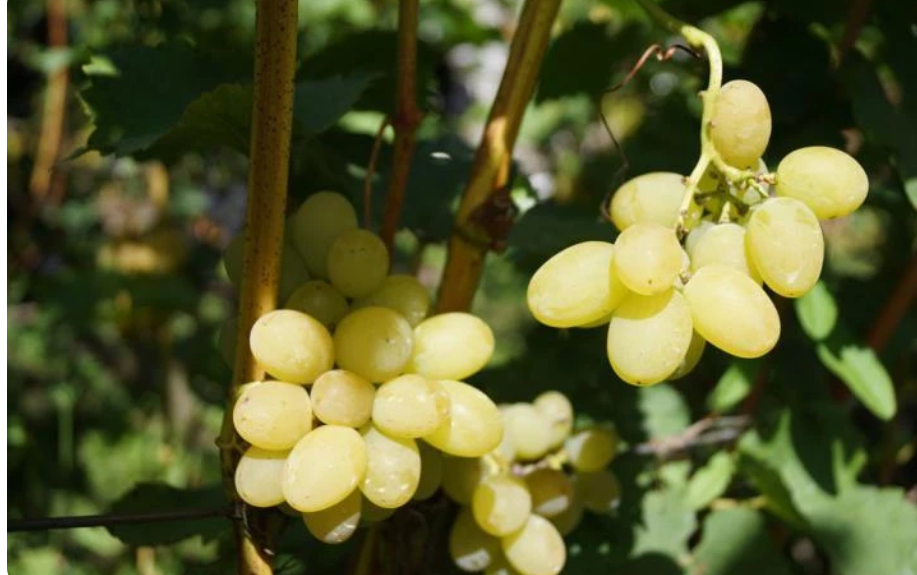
(736, 541)
(668, 522)
(158, 498)
(859, 368)
(817, 312)
(711, 480)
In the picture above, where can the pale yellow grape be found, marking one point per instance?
(374, 342)
(601, 322)
(293, 272)
(431, 472)
(229, 332)
(723, 244)
(326, 466)
(536, 549)
(341, 397)
(830, 182)
(555, 406)
(649, 198)
(273, 414)
(592, 449)
(392, 468)
(785, 243)
(649, 336)
(259, 477)
(337, 523)
(740, 126)
(599, 491)
(529, 430)
(568, 520)
(402, 293)
(551, 491)
(692, 357)
(470, 547)
(576, 287)
(410, 406)
(320, 300)
(696, 234)
(501, 504)
(461, 476)
(506, 451)
(474, 426)
(357, 263)
(500, 566)
(648, 258)
(451, 346)
(372, 513)
(316, 224)
(292, 346)
(732, 312)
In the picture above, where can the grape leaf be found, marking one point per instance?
(664, 410)
(733, 386)
(817, 312)
(710, 481)
(859, 368)
(668, 522)
(736, 541)
(550, 227)
(158, 497)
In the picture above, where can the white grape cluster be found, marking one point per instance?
(519, 501)
(664, 299)
(367, 392)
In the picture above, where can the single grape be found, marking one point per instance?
(402, 293)
(649, 336)
(732, 312)
(649, 198)
(576, 287)
(392, 468)
(529, 430)
(830, 182)
(501, 504)
(372, 513)
(273, 414)
(740, 126)
(568, 520)
(692, 357)
(357, 263)
(316, 224)
(474, 426)
(557, 408)
(785, 243)
(341, 397)
(723, 244)
(325, 466)
(592, 449)
(292, 346)
(648, 258)
(410, 406)
(320, 300)
(259, 477)
(337, 523)
(470, 547)
(461, 476)
(599, 491)
(374, 342)
(551, 491)
(696, 234)
(451, 346)
(536, 549)
(431, 472)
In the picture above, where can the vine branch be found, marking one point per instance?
(111, 520)
(707, 431)
(272, 122)
(486, 211)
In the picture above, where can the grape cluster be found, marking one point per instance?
(688, 265)
(521, 499)
(367, 391)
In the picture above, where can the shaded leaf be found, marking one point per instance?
(733, 386)
(668, 521)
(817, 312)
(318, 104)
(664, 410)
(550, 227)
(711, 480)
(865, 376)
(159, 497)
(736, 541)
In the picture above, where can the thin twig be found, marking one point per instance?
(895, 308)
(370, 173)
(111, 520)
(707, 431)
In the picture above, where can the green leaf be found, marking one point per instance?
(817, 312)
(664, 410)
(733, 386)
(668, 521)
(865, 376)
(318, 104)
(549, 227)
(710, 481)
(736, 541)
(769, 483)
(159, 497)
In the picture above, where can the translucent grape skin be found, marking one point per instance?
(308, 487)
(357, 263)
(740, 126)
(501, 504)
(732, 312)
(451, 346)
(470, 548)
(536, 549)
(830, 182)
(723, 244)
(648, 258)
(272, 414)
(392, 468)
(374, 342)
(431, 472)
(474, 427)
(292, 346)
(551, 491)
(576, 287)
(599, 491)
(315, 226)
(337, 523)
(692, 357)
(320, 300)
(259, 477)
(402, 293)
(649, 336)
(592, 449)
(649, 198)
(555, 406)
(784, 242)
(461, 476)
(528, 429)
(341, 397)
(410, 406)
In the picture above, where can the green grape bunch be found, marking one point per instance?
(694, 255)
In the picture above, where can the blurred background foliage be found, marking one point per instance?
(117, 294)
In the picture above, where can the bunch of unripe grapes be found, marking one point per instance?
(520, 500)
(367, 392)
(676, 280)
